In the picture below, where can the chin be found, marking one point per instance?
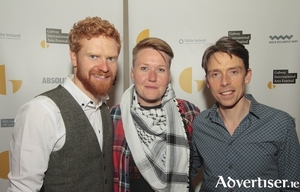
(227, 105)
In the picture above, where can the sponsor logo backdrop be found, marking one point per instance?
(34, 54)
(269, 29)
(34, 48)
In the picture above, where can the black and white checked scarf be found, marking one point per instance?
(157, 141)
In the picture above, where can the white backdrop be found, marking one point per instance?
(36, 64)
(270, 29)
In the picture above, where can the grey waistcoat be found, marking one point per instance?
(80, 165)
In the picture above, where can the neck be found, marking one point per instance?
(81, 87)
(232, 117)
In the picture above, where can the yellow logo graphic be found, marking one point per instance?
(16, 84)
(44, 44)
(4, 165)
(186, 81)
(144, 34)
(271, 85)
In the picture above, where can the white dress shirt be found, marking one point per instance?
(39, 129)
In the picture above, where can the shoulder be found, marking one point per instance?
(115, 112)
(274, 122)
(271, 119)
(277, 117)
(188, 111)
(204, 114)
(271, 113)
(203, 118)
(187, 106)
(115, 108)
(40, 103)
(38, 113)
(266, 112)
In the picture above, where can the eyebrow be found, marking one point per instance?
(236, 67)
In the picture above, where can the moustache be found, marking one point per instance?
(101, 73)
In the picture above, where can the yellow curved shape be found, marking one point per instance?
(143, 34)
(270, 85)
(200, 84)
(2, 80)
(185, 80)
(44, 44)
(4, 165)
(16, 85)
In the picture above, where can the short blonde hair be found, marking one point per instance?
(154, 43)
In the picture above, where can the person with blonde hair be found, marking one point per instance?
(152, 128)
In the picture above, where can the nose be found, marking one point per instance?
(152, 75)
(103, 66)
(225, 80)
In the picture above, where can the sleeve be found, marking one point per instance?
(289, 159)
(197, 161)
(117, 145)
(32, 142)
(190, 113)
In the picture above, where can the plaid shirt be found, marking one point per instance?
(121, 151)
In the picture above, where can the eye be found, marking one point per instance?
(233, 72)
(93, 57)
(144, 68)
(111, 59)
(215, 74)
(161, 69)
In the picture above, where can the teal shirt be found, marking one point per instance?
(263, 148)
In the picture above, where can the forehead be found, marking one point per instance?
(100, 42)
(151, 56)
(221, 60)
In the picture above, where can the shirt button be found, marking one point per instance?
(105, 181)
(104, 168)
(230, 166)
(230, 189)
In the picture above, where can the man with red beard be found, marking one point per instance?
(62, 139)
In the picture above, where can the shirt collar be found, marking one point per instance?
(254, 106)
(82, 99)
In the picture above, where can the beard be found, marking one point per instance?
(94, 87)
